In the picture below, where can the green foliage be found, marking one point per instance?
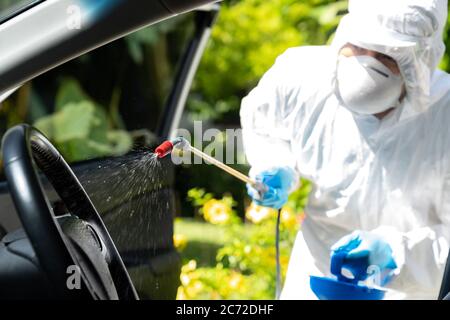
(79, 127)
(249, 35)
(445, 63)
(138, 41)
(244, 266)
(8, 6)
(198, 197)
(298, 199)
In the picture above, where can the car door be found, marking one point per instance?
(132, 93)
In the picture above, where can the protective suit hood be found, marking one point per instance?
(409, 31)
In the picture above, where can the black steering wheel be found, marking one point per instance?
(76, 242)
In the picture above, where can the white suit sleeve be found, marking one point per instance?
(421, 253)
(267, 120)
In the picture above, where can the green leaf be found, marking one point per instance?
(69, 92)
(75, 121)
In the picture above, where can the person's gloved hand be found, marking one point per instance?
(278, 182)
(363, 249)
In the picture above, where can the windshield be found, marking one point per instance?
(10, 7)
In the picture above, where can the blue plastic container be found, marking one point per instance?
(333, 289)
(343, 288)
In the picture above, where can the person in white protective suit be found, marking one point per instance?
(367, 121)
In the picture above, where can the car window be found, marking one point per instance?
(10, 7)
(108, 101)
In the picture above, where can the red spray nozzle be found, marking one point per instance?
(164, 149)
(167, 146)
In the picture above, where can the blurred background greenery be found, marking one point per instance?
(104, 102)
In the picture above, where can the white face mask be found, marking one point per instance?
(366, 86)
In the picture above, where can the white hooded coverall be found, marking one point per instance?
(389, 176)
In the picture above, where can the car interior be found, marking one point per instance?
(55, 216)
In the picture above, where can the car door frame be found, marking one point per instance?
(205, 17)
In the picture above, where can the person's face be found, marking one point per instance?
(350, 50)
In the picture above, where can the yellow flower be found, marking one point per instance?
(190, 292)
(185, 279)
(198, 285)
(257, 214)
(288, 218)
(217, 212)
(181, 294)
(235, 281)
(179, 241)
(194, 289)
(189, 267)
(215, 295)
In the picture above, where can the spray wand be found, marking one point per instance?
(183, 145)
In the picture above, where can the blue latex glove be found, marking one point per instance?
(278, 182)
(363, 249)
